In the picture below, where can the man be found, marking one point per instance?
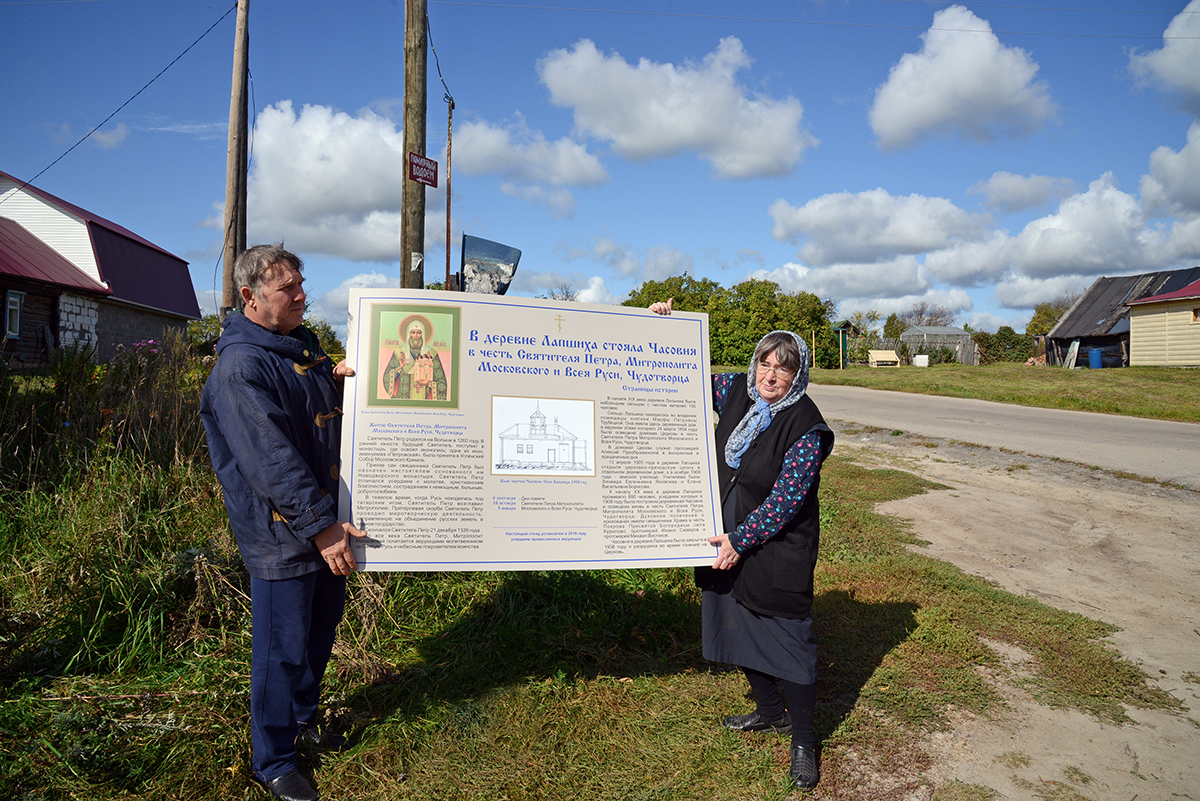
(415, 372)
(271, 413)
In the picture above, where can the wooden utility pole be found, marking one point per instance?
(412, 226)
(236, 159)
(449, 142)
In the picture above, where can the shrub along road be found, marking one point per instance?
(1158, 449)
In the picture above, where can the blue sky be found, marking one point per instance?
(876, 152)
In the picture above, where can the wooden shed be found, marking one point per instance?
(1164, 330)
(1100, 319)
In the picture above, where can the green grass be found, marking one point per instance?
(1156, 392)
(124, 647)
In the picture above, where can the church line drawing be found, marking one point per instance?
(541, 446)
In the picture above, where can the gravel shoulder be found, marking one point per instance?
(1084, 540)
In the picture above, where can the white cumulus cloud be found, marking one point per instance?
(333, 306)
(963, 80)
(1176, 65)
(1100, 231)
(654, 110)
(655, 264)
(1025, 292)
(873, 225)
(327, 183)
(536, 170)
(902, 276)
(1174, 179)
(1006, 192)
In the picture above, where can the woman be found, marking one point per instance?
(757, 596)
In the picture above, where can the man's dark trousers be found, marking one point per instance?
(293, 625)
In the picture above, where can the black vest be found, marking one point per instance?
(776, 578)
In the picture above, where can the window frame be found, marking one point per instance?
(14, 301)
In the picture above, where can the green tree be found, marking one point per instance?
(865, 337)
(893, 327)
(205, 332)
(1046, 315)
(739, 317)
(330, 343)
(691, 294)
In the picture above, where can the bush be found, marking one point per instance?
(1006, 345)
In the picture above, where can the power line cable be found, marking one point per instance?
(123, 105)
(784, 20)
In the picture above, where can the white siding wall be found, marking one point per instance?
(1163, 334)
(58, 228)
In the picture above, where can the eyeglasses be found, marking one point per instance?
(783, 375)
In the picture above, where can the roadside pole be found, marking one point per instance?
(236, 160)
(412, 226)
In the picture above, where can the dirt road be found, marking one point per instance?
(1113, 549)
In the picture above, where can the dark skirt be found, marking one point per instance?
(780, 647)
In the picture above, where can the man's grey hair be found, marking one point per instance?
(783, 345)
(255, 265)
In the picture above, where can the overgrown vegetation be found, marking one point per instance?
(124, 639)
(1006, 345)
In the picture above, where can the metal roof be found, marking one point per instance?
(136, 269)
(25, 256)
(934, 331)
(1190, 291)
(1102, 310)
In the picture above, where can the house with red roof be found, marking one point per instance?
(70, 278)
(1164, 329)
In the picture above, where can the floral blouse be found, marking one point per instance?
(800, 466)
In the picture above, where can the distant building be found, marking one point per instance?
(1100, 318)
(69, 277)
(1164, 330)
(541, 446)
(928, 338)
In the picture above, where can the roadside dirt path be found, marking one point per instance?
(1083, 540)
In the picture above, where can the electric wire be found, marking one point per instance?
(123, 105)
(830, 23)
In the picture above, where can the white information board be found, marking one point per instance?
(491, 433)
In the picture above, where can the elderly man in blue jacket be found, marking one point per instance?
(272, 413)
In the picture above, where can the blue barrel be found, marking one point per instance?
(1094, 361)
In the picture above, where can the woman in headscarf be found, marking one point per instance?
(757, 596)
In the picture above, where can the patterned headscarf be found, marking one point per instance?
(758, 417)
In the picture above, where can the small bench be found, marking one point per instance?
(883, 358)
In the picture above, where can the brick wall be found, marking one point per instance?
(125, 325)
(77, 318)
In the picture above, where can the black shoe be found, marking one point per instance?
(755, 722)
(291, 786)
(312, 738)
(804, 773)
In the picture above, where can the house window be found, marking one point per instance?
(1196, 315)
(14, 302)
(520, 448)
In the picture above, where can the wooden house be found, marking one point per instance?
(1164, 330)
(70, 278)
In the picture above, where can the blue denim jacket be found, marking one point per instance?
(271, 412)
